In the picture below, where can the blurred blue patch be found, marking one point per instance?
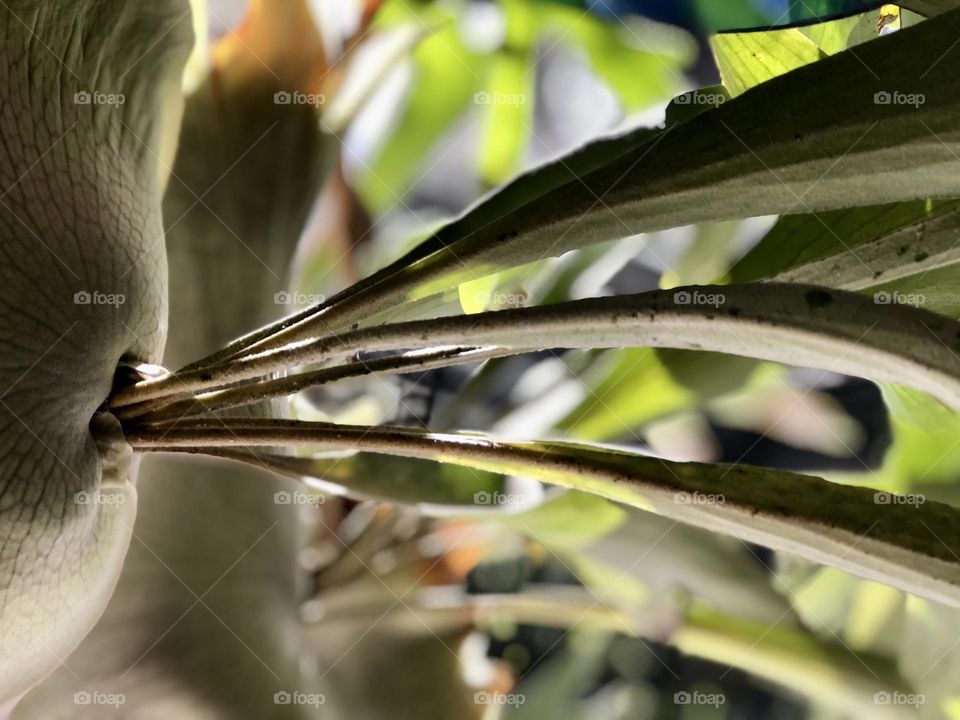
(707, 16)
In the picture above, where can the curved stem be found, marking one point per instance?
(182, 405)
(912, 546)
(824, 672)
(707, 169)
(800, 325)
(559, 606)
(238, 345)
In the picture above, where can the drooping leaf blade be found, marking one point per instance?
(802, 325)
(819, 138)
(912, 547)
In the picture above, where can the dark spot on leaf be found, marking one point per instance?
(920, 256)
(818, 298)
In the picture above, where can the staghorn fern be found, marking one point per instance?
(82, 215)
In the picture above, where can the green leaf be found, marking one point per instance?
(865, 615)
(475, 295)
(798, 240)
(924, 451)
(825, 671)
(766, 152)
(636, 386)
(620, 54)
(905, 251)
(507, 117)
(802, 325)
(568, 521)
(647, 558)
(838, 35)
(366, 476)
(749, 59)
(440, 61)
(929, 657)
(909, 546)
(709, 256)
(756, 142)
(695, 102)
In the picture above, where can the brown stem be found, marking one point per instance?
(912, 546)
(182, 405)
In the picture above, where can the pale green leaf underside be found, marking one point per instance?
(801, 325)
(905, 546)
(811, 140)
(910, 547)
(908, 254)
(905, 250)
